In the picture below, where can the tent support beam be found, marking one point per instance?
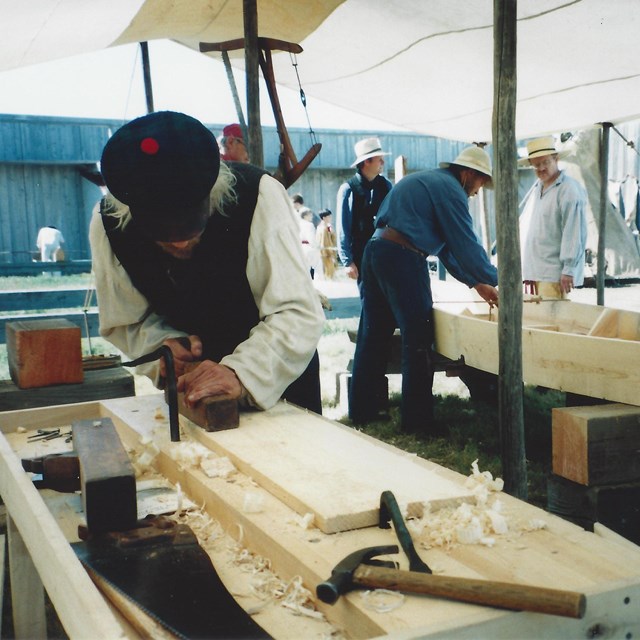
(602, 220)
(251, 58)
(234, 93)
(511, 414)
(146, 73)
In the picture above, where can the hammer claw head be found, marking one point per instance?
(341, 579)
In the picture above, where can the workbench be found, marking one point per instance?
(314, 487)
(98, 384)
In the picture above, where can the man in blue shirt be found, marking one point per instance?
(426, 213)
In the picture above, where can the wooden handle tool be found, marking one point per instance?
(505, 595)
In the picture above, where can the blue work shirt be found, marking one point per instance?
(432, 209)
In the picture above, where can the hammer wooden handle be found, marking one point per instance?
(486, 592)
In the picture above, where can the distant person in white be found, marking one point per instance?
(553, 225)
(50, 240)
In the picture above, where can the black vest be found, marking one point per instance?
(207, 295)
(366, 200)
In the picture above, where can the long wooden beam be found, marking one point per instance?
(510, 274)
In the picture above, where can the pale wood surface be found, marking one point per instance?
(27, 594)
(566, 358)
(559, 556)
(596, 445)
(2, 569)
(308, 463)
(79, 606)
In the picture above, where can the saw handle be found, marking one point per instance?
(505, 595)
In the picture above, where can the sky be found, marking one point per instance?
(109, 84)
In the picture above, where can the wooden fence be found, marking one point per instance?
(51, 303)
(70, 304)
(36, 268)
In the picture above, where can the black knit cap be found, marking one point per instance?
(163, 166)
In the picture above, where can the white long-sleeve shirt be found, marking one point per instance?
(556, 238)
(278, 348)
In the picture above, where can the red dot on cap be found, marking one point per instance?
(149, 146)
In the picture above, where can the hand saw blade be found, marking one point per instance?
(173, 580)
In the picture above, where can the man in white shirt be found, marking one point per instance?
(49, 241)
(187, 250)
(554, 225)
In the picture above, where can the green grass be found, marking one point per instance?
(471, 432)
(45, 281)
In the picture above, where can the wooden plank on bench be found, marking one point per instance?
(310, 468)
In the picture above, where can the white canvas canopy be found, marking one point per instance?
(424, 65)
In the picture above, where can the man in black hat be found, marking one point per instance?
(188, 250)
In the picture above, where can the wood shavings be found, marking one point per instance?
(268, 587)
(217, 467)
(20, 430)
(382, 600)
(305, 521)
(479, 522)
(159, 414)
(208, 531)
(483, 479)
(142, 459)
(189, 455)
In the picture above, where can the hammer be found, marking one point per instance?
(355, 571)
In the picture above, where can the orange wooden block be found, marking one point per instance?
(44, 352)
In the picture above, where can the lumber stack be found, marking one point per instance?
(596, 467)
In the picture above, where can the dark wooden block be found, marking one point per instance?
(216, 413)
(102, 384)
(107, 477)
(615, 506)
(212, 414)
(44, 352)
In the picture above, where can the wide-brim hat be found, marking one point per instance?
(163, 166)
(474, 158)
(368, 148)
(539, 147)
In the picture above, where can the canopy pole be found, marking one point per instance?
(234, 93)
(505, 174)
(602, 220)
(252, 57)
(146, 73)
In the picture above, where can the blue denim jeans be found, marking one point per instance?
(396, 293)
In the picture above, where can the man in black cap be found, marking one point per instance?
(188, 251)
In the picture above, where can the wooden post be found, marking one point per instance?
(602, 220)
(146, 72)
(399, 168)
(251, 57)
(234, 93)
(510, 271)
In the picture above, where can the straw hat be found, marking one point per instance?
(368, 148)
(542, 147)
(474, 158)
